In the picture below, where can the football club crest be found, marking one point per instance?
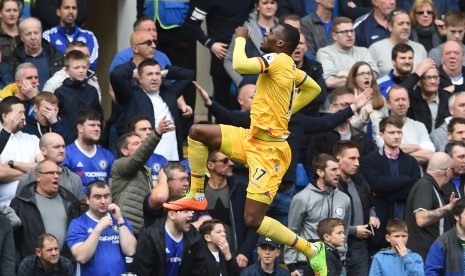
(102, 164)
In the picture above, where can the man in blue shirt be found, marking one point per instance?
(373, 26)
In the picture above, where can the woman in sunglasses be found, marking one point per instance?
(424, 30)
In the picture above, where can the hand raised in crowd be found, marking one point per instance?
(375, 222)
(165, 125)
(203, 94)
(116, 212)
(13, 119)
(223, 245)
(401, 249)
(49, 111)
(424, 66)
(360, 99)
(104, 223)
(28, 90)
(242, 260)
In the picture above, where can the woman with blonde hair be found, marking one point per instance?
(424, 30)
(360, 79)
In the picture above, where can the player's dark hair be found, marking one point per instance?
(291, 35)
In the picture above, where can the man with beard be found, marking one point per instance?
(19, 151)
(314, 203)
(402, 71)
(84, 157)
(46, 259)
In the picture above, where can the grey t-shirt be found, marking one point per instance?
(53, 213)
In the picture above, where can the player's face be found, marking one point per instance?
(452, 56)
(424, 15)
(150, 79)
(50, 253)
(300, 51)
(398, 102)
(217, 234)
(400, 28)
(344, 37)
(364, 77)
(349, 161)
(271, 38)
(267, 8)
(458, 156)
(10, 13)
(134, 143)
(458, 133)
(98, 201)
(68, 12)
(458, 107)
(331, 174)
(397, 237)
(221, 165)
(337, 237)
(429, 82)
(182, 220)
(267, 254)
(178, 184)
(77, 69)
(54, 150)
(403, 63)
(143, 129)
(90, 130)
(392, 136)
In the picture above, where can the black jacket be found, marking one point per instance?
(445, 81)
(150, 253)
(33, 127)
(32, 225)
(134, 101)
(55, 58)
(419, 109)
(226, 268)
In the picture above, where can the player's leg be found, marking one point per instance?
(201, 138)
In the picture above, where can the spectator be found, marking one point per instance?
(423, 14)
(43, 207)
(398, 259)
(373, 26)
(399, 26)
(67, 31)
(337, 58)
(355, 8)
(402, 72)
(260, 21)
(426, 211)
(456, 130)
(131, 182)
(9, 34)
(84, 157)
(313, 204)
(440, 136)
(316, 27)
(415, 139)
(57, 79)
(45, 117)
(46, 260)
(7, 247)
(456, 150)
(451, 68)
(45, 11)
(267, 263)
(226, 200)
(76, 94)
(352, 183)
(19, 150)
(52, 147)
(141, 126)
(331, 231)
(390, 173)
(428, 102)
(361, 78)
(219, 259)
(36, 50)
(455, 29)
(102, 237)
(26, 86)
(170, 246)
(221, 17)
(445, 255)
(152, 99)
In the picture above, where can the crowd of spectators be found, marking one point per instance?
(378, 158)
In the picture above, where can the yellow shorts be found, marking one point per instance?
(267, 161)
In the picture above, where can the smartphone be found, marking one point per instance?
(371, 229)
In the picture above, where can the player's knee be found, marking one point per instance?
(252, 222)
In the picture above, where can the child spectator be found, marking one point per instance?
(76, 94)
(267, 264)
(219, 259)
(397, 260)
(331, 232)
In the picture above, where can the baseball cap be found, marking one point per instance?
(265, 240)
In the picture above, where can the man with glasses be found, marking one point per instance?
(426, 211)
(337, 58)
(428, 102)
(399, 26)
(44, 207)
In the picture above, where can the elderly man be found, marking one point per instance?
(36, 50)
(426, 210)
(43, 206)
(399, 26)
(451, 69)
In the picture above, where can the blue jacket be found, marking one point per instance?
(387, 262)
(445, 256)
(169, 14)
(57, 37)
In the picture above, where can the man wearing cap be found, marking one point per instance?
(267, 251)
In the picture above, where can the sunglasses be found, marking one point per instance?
(224, 160)
(424, 12)
(148, 42)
